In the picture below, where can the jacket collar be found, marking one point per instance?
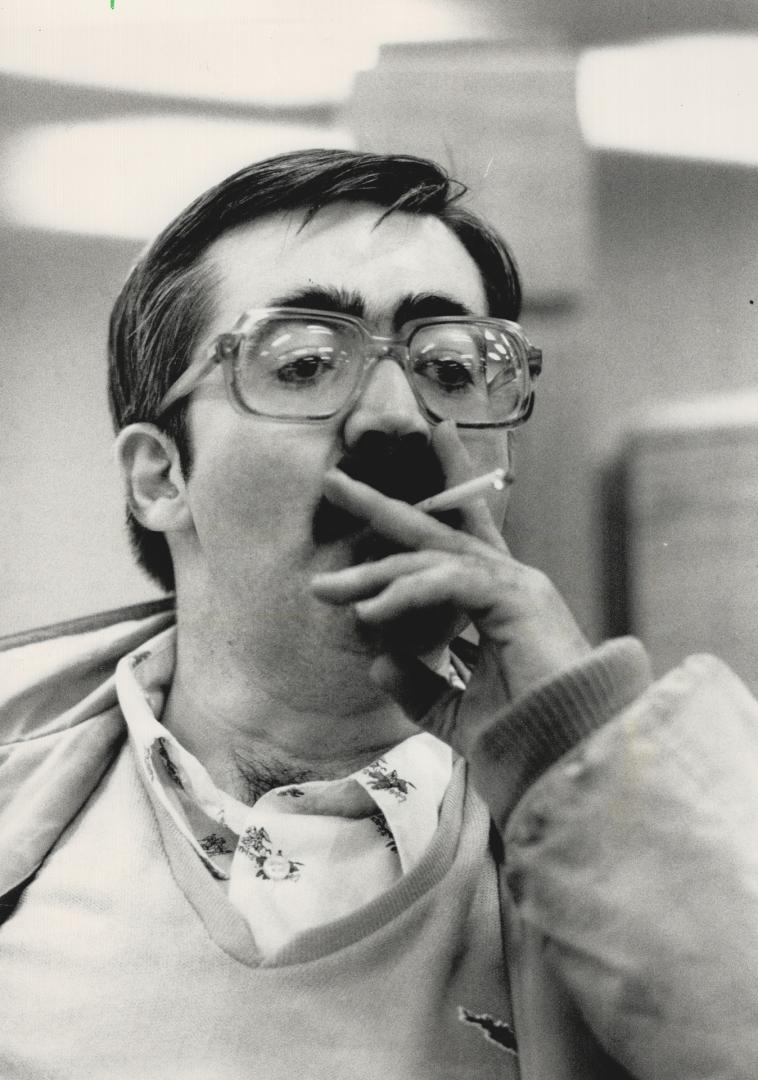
(61, 729)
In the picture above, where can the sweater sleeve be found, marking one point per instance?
(632, 867)
(521, 742)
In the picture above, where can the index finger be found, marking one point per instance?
(393, 519)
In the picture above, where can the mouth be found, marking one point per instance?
(408, 472)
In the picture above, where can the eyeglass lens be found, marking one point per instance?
(302, 367)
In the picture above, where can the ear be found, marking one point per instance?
(155, 487)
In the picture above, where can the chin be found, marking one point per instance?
(339, 629)
(419, 634)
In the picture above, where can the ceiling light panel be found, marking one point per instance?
(289, 53)
(690, 97)
(128, 177)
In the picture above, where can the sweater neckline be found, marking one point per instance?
(463, 830)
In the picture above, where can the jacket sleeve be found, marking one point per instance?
(632, 868)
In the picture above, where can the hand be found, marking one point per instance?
(527, 634)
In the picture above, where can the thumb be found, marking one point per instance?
(425, 697)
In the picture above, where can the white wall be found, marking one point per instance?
(63, 550)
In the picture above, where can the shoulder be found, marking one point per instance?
(60, 729)
(50, 682)
(690, 710)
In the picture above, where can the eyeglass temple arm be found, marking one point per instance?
(534, 359)
(189, 378)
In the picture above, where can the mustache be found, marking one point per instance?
(401, 467)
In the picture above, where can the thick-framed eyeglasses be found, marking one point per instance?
(295, 364)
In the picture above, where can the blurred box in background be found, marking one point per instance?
(682, 533)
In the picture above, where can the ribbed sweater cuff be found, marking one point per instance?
(538, 729)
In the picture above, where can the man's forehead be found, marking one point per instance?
(348, 249)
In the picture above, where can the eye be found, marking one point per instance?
(304, 369)
(447, 358)
(295, 355)
(450, 373)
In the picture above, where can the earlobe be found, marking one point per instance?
(155, 488)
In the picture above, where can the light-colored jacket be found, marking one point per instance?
(631, 862)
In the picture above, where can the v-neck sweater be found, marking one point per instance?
(126, 924)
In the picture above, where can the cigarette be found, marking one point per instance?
(462, 493)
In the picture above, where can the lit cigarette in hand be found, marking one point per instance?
(462, 493)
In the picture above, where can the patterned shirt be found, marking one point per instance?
(304, 854)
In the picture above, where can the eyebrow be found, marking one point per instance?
(338, 301)
(342, 302)
(427, 306)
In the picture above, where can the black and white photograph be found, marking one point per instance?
(359, 720)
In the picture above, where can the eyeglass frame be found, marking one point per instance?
(223, 350)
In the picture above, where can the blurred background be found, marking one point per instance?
(614, 145)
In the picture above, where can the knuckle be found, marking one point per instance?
(537, 584)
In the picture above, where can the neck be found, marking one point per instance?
(259, 714)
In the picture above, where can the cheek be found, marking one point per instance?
(490, 449)
(256, 482)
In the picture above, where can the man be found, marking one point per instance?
(242, 846)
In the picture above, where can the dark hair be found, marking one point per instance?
(167, 300)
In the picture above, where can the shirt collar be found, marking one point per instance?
(405, 786)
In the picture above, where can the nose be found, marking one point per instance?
(386, 405)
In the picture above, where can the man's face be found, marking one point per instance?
(256, 484)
